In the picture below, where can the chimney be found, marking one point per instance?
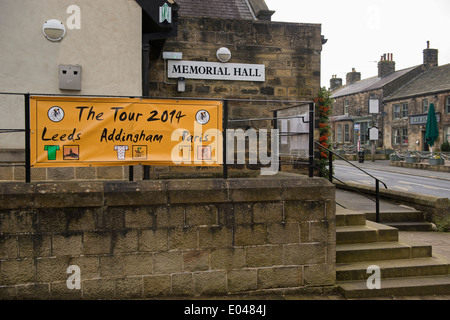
(353, 76)
(386, 66)
(335, 83)
(430, 57)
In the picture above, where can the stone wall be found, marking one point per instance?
(291, 53)
(167, 238)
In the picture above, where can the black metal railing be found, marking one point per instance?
(331, 156)
(226, 121)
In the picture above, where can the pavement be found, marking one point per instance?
(384, 165)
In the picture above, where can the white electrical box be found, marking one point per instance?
(70, 77)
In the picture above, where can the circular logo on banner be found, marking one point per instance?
(56, 114)
(202, 117)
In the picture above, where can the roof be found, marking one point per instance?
(433, 80)
(370, 84)
(226, 9)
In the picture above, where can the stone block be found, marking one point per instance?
(182, 284)
(215, 237)
(85, 173)
(64, 174)
(300, 211)
(320, 274)
(148, 192)
(139, 217)
(81, 219)
(17, 271)
(283, 233)
(111, 173)
(168, 262)
(304, 253)
(129, 288)
(280, 277)
(8, 247)
(98, 288)
(97, 242)
(89, 266)
(153, 240)
(267, 212)
(67, 244)
(34, 245)
(124, 241)
(60, 291)
(322, 231)
(52, 269)
(138, 264)
(69, 194)
(196, 260)
(242, 280)
(111, 266)
(34, 291)
(110, 218)
(250, 235)
(227, 259)
(200, 215)
(17, 195)
(18, 221)
(264, 256)
(158, 285)
(169, 216)
(183, 239)
(210, 283)
(249, 190)
(197, 191)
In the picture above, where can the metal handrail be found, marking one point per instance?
(377, 181)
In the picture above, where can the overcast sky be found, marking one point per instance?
(360, 31)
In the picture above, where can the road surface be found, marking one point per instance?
(402, 179)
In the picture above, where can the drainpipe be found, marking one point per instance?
(145, 88)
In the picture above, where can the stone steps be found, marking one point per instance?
(408, 220)
(403, 286)
(406, 268)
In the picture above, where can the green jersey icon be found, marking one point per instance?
(51, 152)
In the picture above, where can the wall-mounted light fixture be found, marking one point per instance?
(173, 56)
(54, 30)
(181, 84)
(223, 54)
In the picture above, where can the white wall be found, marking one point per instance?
(107, 46)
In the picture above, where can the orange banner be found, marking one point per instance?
(76, 132)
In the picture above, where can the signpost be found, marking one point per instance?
(374, 109)
(76, 132)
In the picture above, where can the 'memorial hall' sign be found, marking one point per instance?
(216, 71)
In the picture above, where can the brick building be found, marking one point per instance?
(391, 87)
(407, 108)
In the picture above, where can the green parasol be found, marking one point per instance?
(432, 127)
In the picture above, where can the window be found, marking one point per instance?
(346, 106)
(400, 136)
(447, 105)
(425, 105)
(447, 134)
(339, 133)
(364, 132)
(396, 136)
(396, 109)
(404, 110)
(347, 133)
(405, 136)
